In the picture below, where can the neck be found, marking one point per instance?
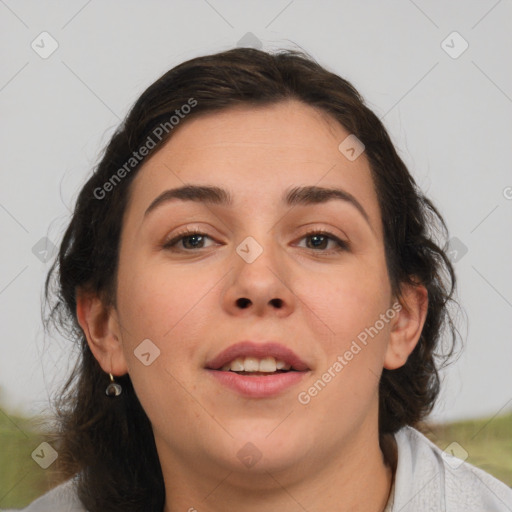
(356, 479)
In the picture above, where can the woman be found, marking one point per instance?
(253, 281)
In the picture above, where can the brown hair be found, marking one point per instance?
(109, 442)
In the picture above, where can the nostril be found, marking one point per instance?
(243, 303)
(277, 302)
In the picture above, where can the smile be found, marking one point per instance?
(257, 370)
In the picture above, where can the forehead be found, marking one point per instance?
(256, 152)
(293, 129)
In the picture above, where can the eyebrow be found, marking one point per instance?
(298, 196)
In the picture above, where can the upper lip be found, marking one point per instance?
(258, 350)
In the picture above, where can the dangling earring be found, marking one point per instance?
(113, 389)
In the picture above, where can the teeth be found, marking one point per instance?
(253, 364)
(281, 365)
(237, 365)
(267, 364)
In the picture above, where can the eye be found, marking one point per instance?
(320, 240)
(190, 240)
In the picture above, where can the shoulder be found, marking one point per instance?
(427, 479)
(62, 498)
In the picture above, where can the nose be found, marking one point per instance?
(259, 286)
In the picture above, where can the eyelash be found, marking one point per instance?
(342, 245)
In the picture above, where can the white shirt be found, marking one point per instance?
(425, 481)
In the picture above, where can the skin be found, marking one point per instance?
(318, 456)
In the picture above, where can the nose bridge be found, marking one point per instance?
(258, 255)
(258, 242)
(259, 276)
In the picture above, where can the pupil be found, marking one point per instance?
(316, 238)
(188, 238)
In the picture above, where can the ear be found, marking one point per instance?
(102, 330)
(407, 325)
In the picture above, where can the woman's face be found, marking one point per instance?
(255, 274)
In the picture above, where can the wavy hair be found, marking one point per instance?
(109, 444)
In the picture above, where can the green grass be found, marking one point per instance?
(21, 479)
(487, 441)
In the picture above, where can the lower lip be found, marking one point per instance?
(258, 386)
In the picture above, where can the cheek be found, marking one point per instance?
(165, 309)
(345, 383)
(348, 306)
(347, 300)
(166, 306)
(175, 310)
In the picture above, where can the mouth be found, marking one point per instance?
(252, 358)
(257, 370)
(254, 366)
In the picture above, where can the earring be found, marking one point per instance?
(113, 389)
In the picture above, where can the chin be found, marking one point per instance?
(260, 449)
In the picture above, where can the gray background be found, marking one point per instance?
(450, 119)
